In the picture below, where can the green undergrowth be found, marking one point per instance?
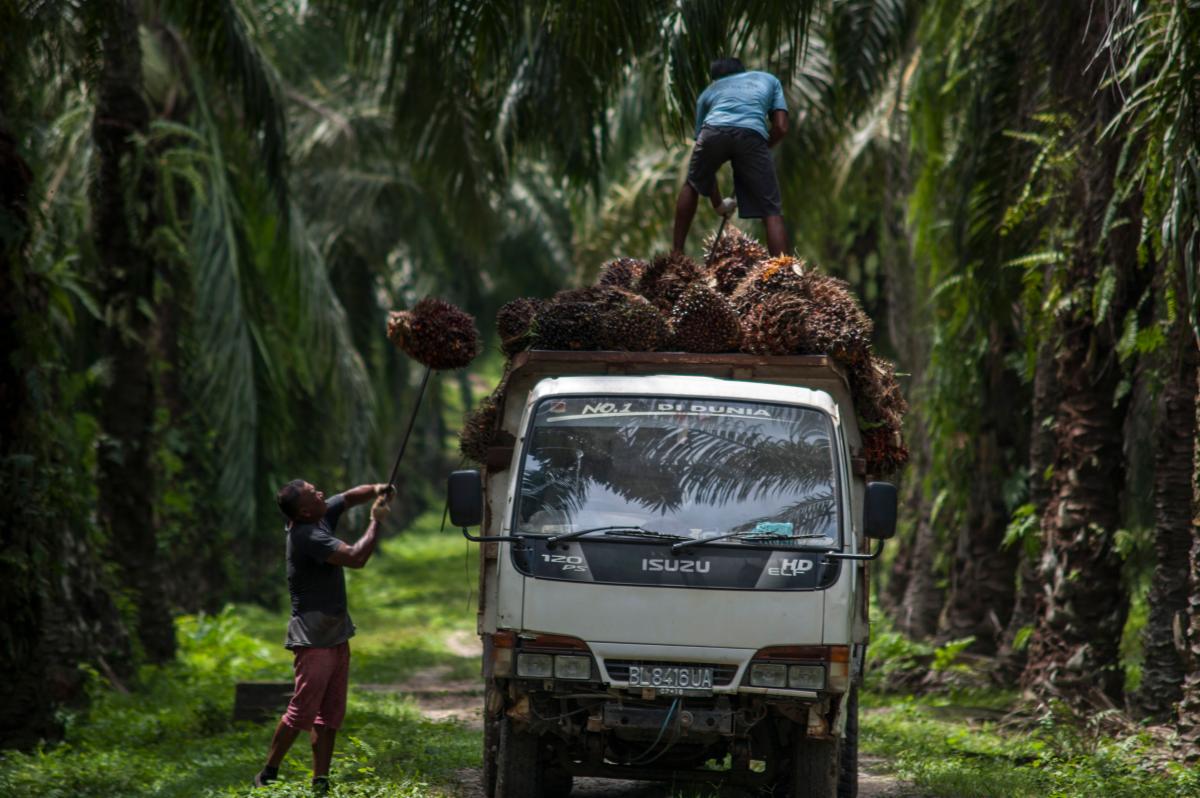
(961, 745)
(967, 742)
(172, 737)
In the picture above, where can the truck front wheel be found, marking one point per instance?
(848, 777)
(814, 768)
(520, 772)
(491, 752)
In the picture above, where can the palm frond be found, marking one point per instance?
(223, 35)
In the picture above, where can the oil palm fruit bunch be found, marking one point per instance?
(884, 450)
(667, 277)
(514, 323)
(836, 323)
(435, 334)
(600, 317)
(479, 427)
(789, 308)
(623, 273)
(704, 321)
(783, 274)
(729, 259)
(877, 395)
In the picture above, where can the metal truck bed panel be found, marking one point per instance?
(810, 371)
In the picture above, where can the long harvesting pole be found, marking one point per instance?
(412, 420)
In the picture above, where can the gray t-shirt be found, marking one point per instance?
(319, 615)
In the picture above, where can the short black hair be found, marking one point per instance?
(723, 67)
(288, 498)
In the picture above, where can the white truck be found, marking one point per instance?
(673, 578)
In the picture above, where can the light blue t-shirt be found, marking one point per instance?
(743, 99)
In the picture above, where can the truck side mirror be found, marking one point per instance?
(464, 492)
(879, 510)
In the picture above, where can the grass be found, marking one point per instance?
(172, 737)
(946, 750)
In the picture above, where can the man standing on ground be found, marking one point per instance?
(320, 627)
(731, 125)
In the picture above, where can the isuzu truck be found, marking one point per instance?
(673, 577)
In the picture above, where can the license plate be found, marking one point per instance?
(669, 678)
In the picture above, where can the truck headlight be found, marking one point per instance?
(806, 677)
(535, 666)
(768, 674)
(568, 666)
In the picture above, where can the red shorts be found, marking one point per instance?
(322, 675)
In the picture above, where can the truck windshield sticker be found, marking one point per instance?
(564, 411)
(761, 476)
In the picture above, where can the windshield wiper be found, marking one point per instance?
(646, 533)
(751, 535)
(578, 533)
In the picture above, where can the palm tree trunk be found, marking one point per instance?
(122, 196)
(983, 575)
(1074, 652)
(1074, 649)
(922, 604)
(28, 713)
(1174, 443)
(1188, 717)
(1012, 653)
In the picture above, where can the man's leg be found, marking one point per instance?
(281, 742)
(685, 210)
(710, 151)
(757, 187)
(323, 738)
(776, 235)
(313, 667)
(333, 712)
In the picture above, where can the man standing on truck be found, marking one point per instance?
(320, 627)
(731, 125)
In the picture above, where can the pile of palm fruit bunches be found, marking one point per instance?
(739, 300)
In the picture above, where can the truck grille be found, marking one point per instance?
(618, 669)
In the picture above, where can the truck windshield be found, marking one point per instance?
(695, 468)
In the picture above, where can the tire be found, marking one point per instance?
(519, 769)
(557, 783)
(491, 753)
(814, 771)
(848, 765)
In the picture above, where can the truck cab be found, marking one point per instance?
(673, 579)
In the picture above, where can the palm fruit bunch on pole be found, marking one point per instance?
(730, 258)
(514, 323)
(704, 321)
(600, 318)
(622, 273)
(666, 278)
(435, 334)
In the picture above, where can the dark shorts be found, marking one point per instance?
(754, 179)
